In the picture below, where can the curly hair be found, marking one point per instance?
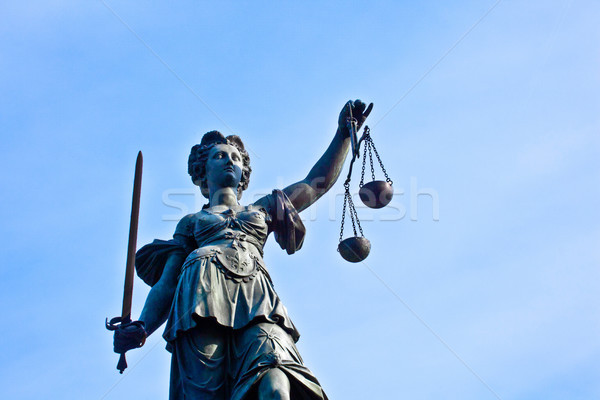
(199, 156)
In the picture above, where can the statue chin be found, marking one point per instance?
(231, 180)
(228, 180)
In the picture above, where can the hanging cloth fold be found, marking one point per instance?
(150, 260)
(286, 223)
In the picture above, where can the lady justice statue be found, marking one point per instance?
(229, 334)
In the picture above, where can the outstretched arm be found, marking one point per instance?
(327, 170)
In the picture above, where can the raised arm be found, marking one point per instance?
(326, 171)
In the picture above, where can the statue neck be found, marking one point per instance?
(223, 197)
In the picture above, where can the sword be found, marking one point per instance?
(125, 317)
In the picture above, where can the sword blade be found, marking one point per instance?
(131, 247)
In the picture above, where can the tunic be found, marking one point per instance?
(224, 280)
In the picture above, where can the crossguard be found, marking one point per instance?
(116, 322)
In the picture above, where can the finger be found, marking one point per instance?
(359, 106)
(368, 110)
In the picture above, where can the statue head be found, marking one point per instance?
(199, 156)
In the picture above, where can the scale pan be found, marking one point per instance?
(376, 194)
(354, 249)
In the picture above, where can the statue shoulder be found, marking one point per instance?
(185, 226)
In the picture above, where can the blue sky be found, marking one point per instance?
(492, 107)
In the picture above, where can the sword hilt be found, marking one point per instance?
(112, 325)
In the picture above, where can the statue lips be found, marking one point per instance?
(230, 176)
(230, 170)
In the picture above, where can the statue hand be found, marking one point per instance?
(130, 335)
(360, 112)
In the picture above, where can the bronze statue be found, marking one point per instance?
(229, 334)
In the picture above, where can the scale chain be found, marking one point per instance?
(357, 221)
(347, 186)
(370, 145)
(352, 213)
(387, 178)
(362, 173)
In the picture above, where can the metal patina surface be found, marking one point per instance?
(229, 334)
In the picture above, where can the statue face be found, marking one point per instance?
(224, 167)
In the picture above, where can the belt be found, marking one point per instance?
(237, 260)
